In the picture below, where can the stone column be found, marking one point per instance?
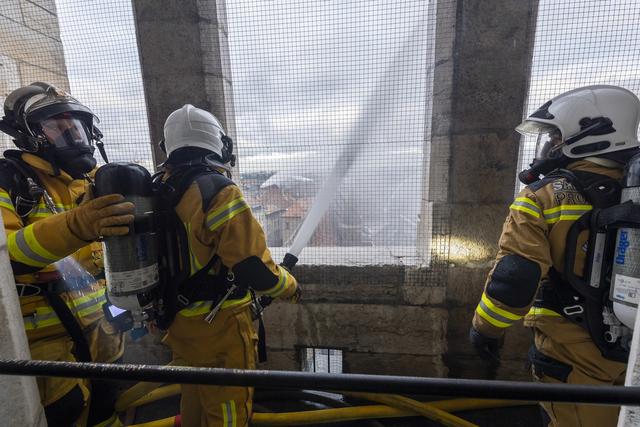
(19, 395)
(195, 31)
(483, 53)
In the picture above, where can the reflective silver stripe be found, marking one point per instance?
(526, 205)
(89, 303)
(6, 200)
(95, 301)
(26, 249)
(229, 414)
(493, 314)
(566, 212)
(240, 205)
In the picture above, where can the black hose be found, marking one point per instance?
(508, 390)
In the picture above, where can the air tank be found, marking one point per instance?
(625, 277)
(130, 261)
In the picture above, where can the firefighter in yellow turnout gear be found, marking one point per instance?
(591, 132)
(51, 237)
(226, 242)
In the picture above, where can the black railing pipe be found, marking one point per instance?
(508, 390)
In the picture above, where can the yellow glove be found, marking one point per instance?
(101, 217)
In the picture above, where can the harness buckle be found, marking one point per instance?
(183, 300)
(573, 310)
(28, 290)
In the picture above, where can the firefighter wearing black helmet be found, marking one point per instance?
(52, 224)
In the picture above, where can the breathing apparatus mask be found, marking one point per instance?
(50, 123)
(70, 144)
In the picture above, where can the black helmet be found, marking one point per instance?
(47, 121)
(25, 108)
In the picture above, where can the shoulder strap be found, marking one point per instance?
(210, 182)
(600, 190)
(180, 289)
(21, 183)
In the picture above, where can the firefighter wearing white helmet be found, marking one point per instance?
(228, 263)
(546, 271)
(51, 241)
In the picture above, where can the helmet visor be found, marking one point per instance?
(549, 145)
(549, 138)
(65, 131)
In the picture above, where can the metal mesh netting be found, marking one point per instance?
(88, 48)
(313, 82)
(582, 43)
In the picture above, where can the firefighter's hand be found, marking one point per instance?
(293, 293)
(101, 217)
(486, 347)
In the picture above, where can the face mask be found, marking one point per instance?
(71, 146)
(76, 161)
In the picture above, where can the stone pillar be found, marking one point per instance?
(483, 53)
(195, 31)
(30, 48)
(19, 395)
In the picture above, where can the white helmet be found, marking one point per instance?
(588, 121)
(192, 127)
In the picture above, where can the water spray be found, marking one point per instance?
(359, 134)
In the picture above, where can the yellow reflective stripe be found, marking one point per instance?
(33, 243)
(529, 201)
(223, 214)
(525, 204)
(498, 310)
(42, 206)
(83, 306)
(565, 207)
(16, 254)
(201, 307)
(42, 318)
(565, 213)
(5, 201)
(24, 247)
(525, 209)
(229, 415)
(195, 265)
(234, 415)
(490, 319)
(539, 311)
(281, 285)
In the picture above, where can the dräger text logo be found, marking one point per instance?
(621, 250)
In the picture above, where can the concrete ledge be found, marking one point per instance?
(358, 327)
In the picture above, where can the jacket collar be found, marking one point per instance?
(45, 167)
(586, 165)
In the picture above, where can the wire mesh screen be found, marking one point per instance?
(579, 43)
(323, 83)
(315, 84)
(101, 54)
(88, 48)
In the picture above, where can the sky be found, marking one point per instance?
(305, 73)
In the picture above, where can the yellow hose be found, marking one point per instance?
(165, 422)
(427, 410)
(157, 394)
(326, 416)
(139, 390)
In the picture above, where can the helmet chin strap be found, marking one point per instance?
(102, 151)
